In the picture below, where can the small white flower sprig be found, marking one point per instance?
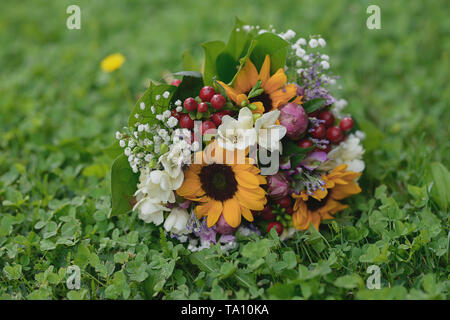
(152, 132)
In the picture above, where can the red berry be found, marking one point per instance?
(278, 227)
(285, 202)
(267, 214)
(314, 114)
(206, 93)
(217, 117)
(202, 107)
(305, 143)
(346, 123)
(328, 117)
(176, 114)
(318, 131)
(334, 134)
(206, 125)
(186, 121)
(176, 82)
(290, 210)
(190, 104)
(218, 101)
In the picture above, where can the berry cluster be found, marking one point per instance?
(278, 214)
(208, 106)
(326, 130)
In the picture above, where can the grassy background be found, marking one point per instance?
(58, 110)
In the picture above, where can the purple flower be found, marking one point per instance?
(295, 119)
(223, 227)
(278, 186)
(314, 159)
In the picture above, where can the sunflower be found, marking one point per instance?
(275, 90)
(323, 203)
(221, 188)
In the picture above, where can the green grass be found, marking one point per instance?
(58, 110)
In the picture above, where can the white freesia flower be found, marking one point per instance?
(237, 134)
(151, 210)
(269, 134)
(177, 221)
(155, 190)
(173, 160)
(349, 152)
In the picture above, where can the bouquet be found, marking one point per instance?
(253, 141)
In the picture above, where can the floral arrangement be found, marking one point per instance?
(253, 141)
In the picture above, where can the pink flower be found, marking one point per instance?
(223, 227)
(278, 186)
(295, 119)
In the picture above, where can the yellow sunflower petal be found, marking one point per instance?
(232, 212)
(264, 73)
(315, 220)
(246, 179)
(247, 213)
(301, 217)
(214, 212)
(246, 78)
(275, 82)
(282, 96)
(191, 185)
(252, 193)
(251, 203)
(202, 210)
(231, 93)
(319, 194)
(340, 192)
(256, 192)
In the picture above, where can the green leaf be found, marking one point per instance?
(313, 104)
(123, 186)
(228, 61)
(188, 62)
(295, 153)
(349, 281)
(149, 99)
(440, 191)
(269, 44)
(114, 150)
(212, 50)
(190, 85)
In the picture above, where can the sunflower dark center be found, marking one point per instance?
(218, 181)
(314, 204)
(265, 99)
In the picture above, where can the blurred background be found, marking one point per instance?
(58, 109)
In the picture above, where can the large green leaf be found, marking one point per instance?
(123, 186)
(149, 99)
(190, 85)
(114, 150)
(440, 192)
(189, 62)
(212, 50)
(228, 61)
(273, 45)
